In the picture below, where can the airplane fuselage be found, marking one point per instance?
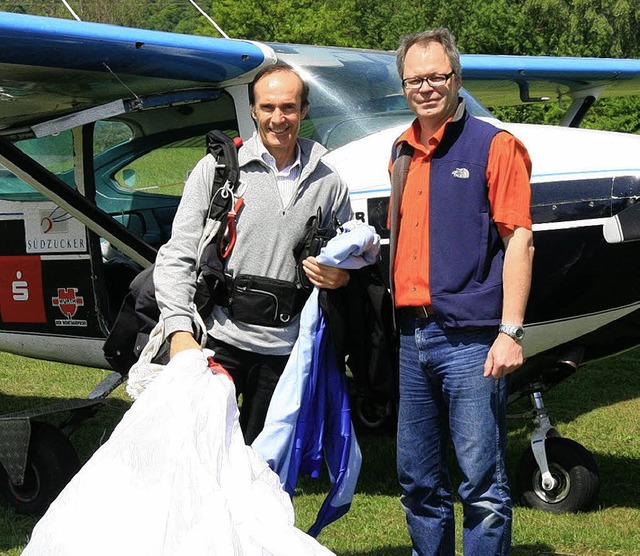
(80, 213)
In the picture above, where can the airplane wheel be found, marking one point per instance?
(574, 470)
(370, 416)
(51, 463)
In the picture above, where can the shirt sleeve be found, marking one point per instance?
(176, 265)
(508, 177)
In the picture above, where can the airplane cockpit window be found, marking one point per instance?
(54, 152)
(108, 134)
(353, 93)
(164, 170)
(143, 158)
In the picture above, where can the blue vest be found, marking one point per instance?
(466, 252)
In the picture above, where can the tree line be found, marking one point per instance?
(593, 28)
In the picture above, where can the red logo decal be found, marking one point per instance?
(21, 298)
(67, 301)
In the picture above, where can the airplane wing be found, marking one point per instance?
(511, 80)
(43, 74)
(50, 67)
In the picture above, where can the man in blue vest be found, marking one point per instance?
(460, 271)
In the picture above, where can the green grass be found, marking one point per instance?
(162, 171)
(598, 407)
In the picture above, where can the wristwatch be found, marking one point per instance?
(514, 331)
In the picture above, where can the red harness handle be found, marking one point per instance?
(229, 237)
(217, 369)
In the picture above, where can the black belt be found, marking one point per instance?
(421, 312)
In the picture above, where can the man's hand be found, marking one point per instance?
(323, 276)
(504, 357)
(180, 341)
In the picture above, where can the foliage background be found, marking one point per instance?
(591, 28)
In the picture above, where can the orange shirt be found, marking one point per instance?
(509, 193)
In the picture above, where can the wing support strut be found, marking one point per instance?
(98, 221)
(577, 111)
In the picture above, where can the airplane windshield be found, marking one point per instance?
(353, 93)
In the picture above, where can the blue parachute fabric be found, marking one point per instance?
(323, 432)
(342, 454)
(306, 456)
(309, 418)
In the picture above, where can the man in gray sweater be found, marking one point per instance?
(284, 182)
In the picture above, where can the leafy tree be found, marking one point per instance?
(176, 17)
(294, 21)
(130, 13)
(47, 8)
(615, 114)
(495, 27)
(381, 24)
(601, 28)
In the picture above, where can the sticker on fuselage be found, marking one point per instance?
(21, 298)
(68, 301)
(50, 229)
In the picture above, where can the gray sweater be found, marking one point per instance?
(267, 232)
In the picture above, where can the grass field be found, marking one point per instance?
(598, 407)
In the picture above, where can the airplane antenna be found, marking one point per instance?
(122, 82)
(74, 14)
(209, 19)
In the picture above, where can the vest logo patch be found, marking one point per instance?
(462, 173)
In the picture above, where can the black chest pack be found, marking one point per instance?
(264, 301)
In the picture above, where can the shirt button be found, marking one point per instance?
(419, 191)
(417, 224)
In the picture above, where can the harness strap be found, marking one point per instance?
(229, 236)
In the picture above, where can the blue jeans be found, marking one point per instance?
(444, 396)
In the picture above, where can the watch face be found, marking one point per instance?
(516, 332)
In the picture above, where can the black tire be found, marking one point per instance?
(372, 417)
(51, 463)
(575, 472)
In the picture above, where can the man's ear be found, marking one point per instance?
(303, 112)
(253, 113)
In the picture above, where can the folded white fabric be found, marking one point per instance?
(175, 479)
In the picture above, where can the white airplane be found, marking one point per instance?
(100, 124)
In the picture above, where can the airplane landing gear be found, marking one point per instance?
(37, 459)
(575, 481)
(555, 474)
(51, 463)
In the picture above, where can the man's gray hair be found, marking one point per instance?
(440, 35)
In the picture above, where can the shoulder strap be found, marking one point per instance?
(401, 156)
(399, 152)
(227, 174)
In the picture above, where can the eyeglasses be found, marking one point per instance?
(433, 80)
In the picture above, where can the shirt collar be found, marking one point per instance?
(271, 161)
(412, 134)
